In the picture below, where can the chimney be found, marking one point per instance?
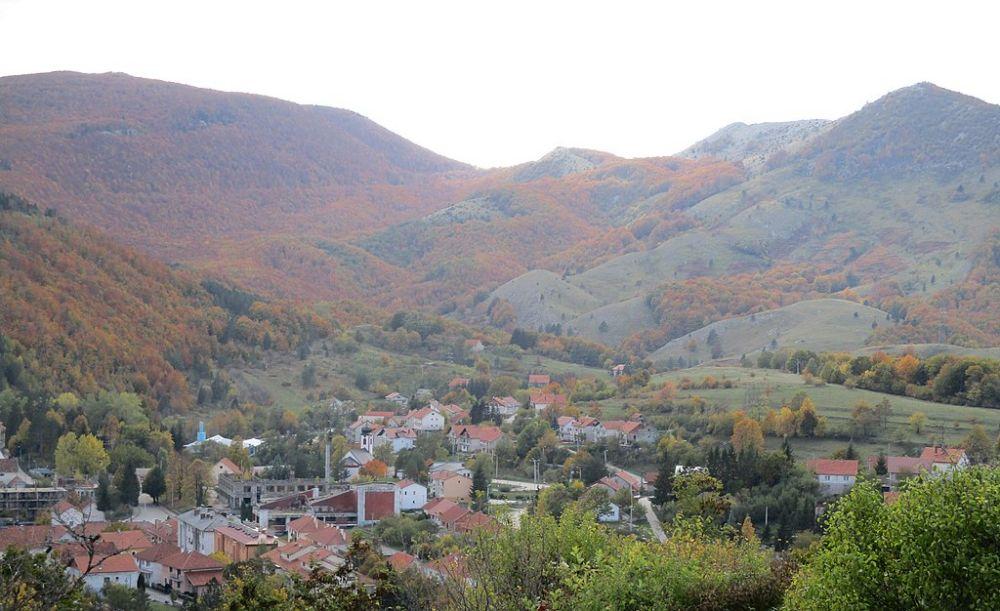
(315, 493)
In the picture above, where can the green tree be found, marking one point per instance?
(118, 597)
(479, 486)
(82, 456)
(39, 582)
(155, 484)
(127, 484)
(934, 549)
(978, 446)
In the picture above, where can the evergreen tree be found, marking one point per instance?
(880, 467)
(155, 484)
(850, 454)
(127, 484)
(105, 495)
(478, 412)
(479, 485)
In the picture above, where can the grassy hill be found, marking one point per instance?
(950, 422)
(821, 325)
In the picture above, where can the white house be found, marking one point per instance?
(425, 419)
(411, 495)
(196, 530)
(613, 514)
(65, 513)
(569, 429)
(505, 407)
(834, 476)
(120, 569)
(398, 399)
(151, 567)
(944, 460)
(398, 439)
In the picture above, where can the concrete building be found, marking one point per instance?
(196, 529)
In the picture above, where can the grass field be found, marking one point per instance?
(952, 422)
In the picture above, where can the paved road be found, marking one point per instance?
(654, 522)
(519, 485)
(146, 511)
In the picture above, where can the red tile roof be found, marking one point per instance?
(203, 578)
(625, 426)
(230, 465)
(127, 540)
(486, 434)
(538, 378)
(157, 552)
(472, 521)
(328, 536)
(244, 536)
(830, 466)
(900, 464)
(438, 506)
(305, 524)
(30, 537)
(119, 563)
(937, 454)
(401, 561)
(191, 561)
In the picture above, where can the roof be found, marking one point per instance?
(9, 465)
(438, 506)
(191, 561)
(157, 552)
(291, 501)
(900, 464)
(937, 454)
(422, 413)
(202, 519)
(328, 536)
(127, 539)
(538, 378)
(305, 524)
(229, 465)
(30, 536)
(564, 420)
(297, 556)
(473, 520)
(401, 561)
(406, 483)
(453, 513)
(632, 480)
(456, 382)
(890, 497)
(345, 501)
(245, 536)
(625, 426)
(452, 565)
(445, 475)
(119, 563)
(830, 466)
(507, 401)
(485, 434)
(609, 482)
(380, 414)
(359, 456)
(203, 578)
(548, 398)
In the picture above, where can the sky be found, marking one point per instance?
(501, 83)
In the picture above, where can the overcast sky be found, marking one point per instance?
(504, 82)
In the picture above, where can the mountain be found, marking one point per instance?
(201, 177)
(897, 203)
(83, 313)
(755, 146)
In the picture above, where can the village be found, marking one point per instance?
(304, 524)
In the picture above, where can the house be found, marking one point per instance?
(300, 557)
(538, 380)
(411, 495)
(425, 419)
(400, 561)
(161, 531)
(452, 566)
(126, 541)
(275, 514)
(455, 467)
(458, 383)
(398, 399)
(34, 538)
(612, 513)
(944, 460)
(451, 485)
(472, 438)
(444, 512)
(630, 432)
(454, 413)
(120, 569)
(834, 476)
(68, 514)
(196, 529)
(540, 400)
(471, 521)
(899, 468)
(633, 482)
(240, 542)
(398, 439)
(569, 429)
(590, 429)
(192, 572)
(505, 407)
(353, 460)
(618, 370)
(151, 569)
(378, 417)
(12, 476)
(310, 529)
(225, 466)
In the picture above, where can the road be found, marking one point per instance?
(654, 522)
(519, 485)
(146, 511)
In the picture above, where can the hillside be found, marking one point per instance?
(80, 313)
(821, 325)
(172, 169)
(914, 238)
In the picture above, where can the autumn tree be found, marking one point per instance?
(747, 436)
(917, 422)
(82, 456)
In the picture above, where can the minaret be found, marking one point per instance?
(326, 463)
